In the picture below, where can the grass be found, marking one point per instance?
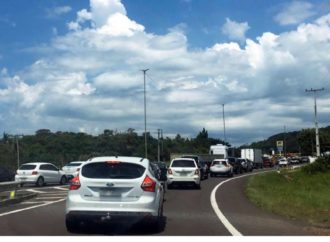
(293, 194)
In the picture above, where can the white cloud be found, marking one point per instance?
(90, 79)
(235, 30)
(294, 13)
(58, 11)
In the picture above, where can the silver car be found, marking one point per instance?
(183, 171)
(40, 173)
(72, 169)
(115, 189)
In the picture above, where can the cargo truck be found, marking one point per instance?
(255, 155)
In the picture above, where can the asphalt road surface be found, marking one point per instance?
(187, 212)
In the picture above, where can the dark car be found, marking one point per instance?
(6, 175)
(203, 166)
(163, 170)
(247, 164)
(236, 164)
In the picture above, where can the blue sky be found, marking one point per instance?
(74, 65)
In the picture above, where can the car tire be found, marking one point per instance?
(40, 182)
(63, 180)
(72, 225)
(198, 186)
(169, 186)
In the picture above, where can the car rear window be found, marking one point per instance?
(216, 162)
(104, 170)
(73, 164)
(183, 163)
(27, 167)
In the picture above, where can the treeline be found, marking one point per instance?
(302, 142)
(62, 147)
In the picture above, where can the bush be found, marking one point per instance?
(322, 164)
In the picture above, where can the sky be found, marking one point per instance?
(68, 65)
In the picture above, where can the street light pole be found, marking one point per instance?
(17, 147)
(224, 124)
(318, 149)
(145, 114)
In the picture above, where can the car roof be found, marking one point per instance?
(182, 158)
(219, 160)
(38, 163)
(129, 159)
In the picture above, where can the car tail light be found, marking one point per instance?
(148, 185)
(34, 173)
(197, 172)
(75, 183)
(169, 171)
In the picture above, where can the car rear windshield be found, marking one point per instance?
(73, 164)
(183, 163)
(27, 167)
(104, 170)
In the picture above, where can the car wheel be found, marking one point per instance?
(72, 225)
(63, 180)
(40, 182)
(198, 186)
(169, 186)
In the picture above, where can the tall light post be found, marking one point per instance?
(318, 149)
(224, 124)
(145, 114)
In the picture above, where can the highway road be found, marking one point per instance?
(187, 212)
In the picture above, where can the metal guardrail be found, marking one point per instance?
(8, 190)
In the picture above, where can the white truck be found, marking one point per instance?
(255, 155)
(219, 149)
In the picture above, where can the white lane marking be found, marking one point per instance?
(40, 198)
(218, 212)
(31, 202)
(36, 191)
(28, 208)
(61, 188)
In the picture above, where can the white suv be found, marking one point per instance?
(40, 173)
(72, 169)
(183, 171)
(118, 189)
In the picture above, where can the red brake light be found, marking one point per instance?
(169, 171)
(113, 162)
(75, 183)
(34, 173)
(148, 185)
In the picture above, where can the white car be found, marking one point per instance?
(115, 189)
(72, 169)
(40, 173)
(221, 167)
(283, 162)
(183, 171)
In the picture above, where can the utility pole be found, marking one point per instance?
(284, 141)
(145, 114)
(17, 147)
(158, 133)
(224, 124)
(318, 149)
(161, 137)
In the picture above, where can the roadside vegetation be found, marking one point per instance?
(302, 194)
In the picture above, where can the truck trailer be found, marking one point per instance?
(255, 155)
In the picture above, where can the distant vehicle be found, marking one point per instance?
(219, 149)
(6, 175)
(40, 173)
(247, 164)
(283, 162)
(221, 167)
(183, 171)
(267, 162)
(163, 170)
(72, 168)
(120, 189)
(255, 155)
(237, 166)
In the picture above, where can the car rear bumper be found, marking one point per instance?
(183, 180)
(26, 179)
(110, 216)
